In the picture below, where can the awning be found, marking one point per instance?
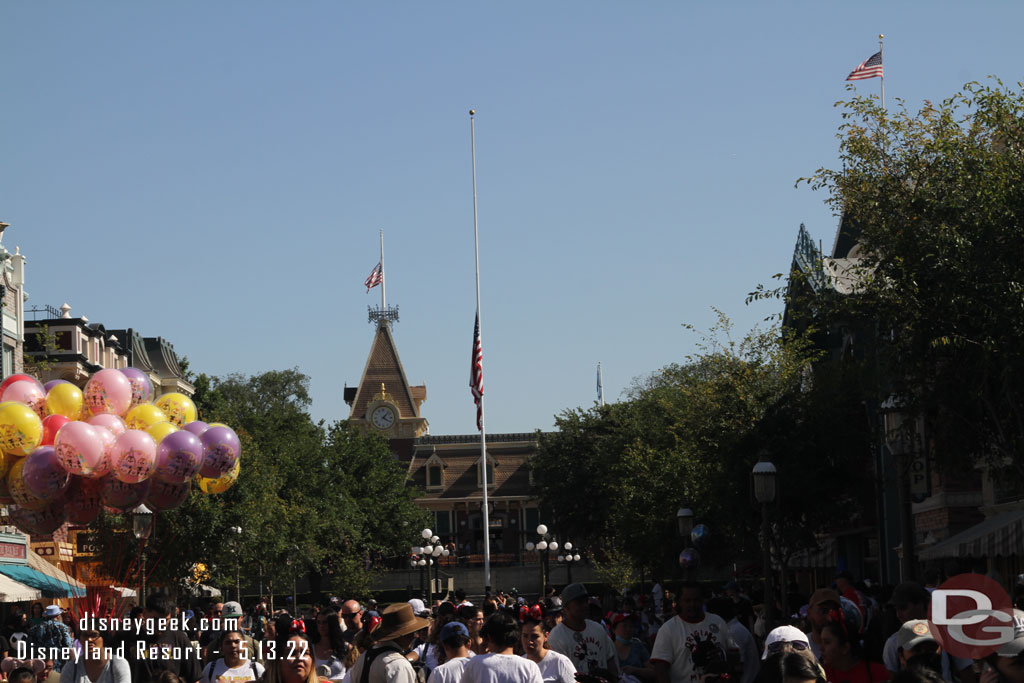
(124, 592)
(47, 585)
(12, 591)
(41, 565)
(1001, 534)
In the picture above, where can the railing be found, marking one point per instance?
(36, 312)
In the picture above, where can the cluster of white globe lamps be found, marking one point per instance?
(428, 552)
(552, 546)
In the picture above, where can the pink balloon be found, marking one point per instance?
(79, 448)
(164, 496)
(103, 467)
(108, 391)
(43, 474)
(178, 457)
(109, 421)
(27, 392)
(121, 496)
(133, 456)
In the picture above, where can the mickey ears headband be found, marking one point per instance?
(298, 626)
(534, 613)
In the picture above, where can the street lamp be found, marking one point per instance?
(568, 558)
(237, 531)
(544, 546)
(764, 492)
(426, 554)
(684, 519)
(142, 527)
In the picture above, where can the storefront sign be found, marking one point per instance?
(13, 551)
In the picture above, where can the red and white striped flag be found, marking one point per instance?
(476, 374)
(376, 277)
(869, 68)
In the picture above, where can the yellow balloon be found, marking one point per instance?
(21, 430)
(160, 430)
(217, 424)
(65, 399)
(179, 408)
(222, 483)
(19, 492)
(144, 416)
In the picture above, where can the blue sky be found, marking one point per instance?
(217, 174)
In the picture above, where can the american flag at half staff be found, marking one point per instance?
(375, 278)
(476, 374)
(869, 68)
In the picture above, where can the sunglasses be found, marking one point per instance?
(779, 645)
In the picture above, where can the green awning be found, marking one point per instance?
(49, 586)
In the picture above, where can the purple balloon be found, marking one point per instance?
(178, 457)
(142, 388)
(38, 522)
(83, 500)
(197, 427)
(43, 474)
(221, 449)
(121, 496)
(166, 496)
(52, 383)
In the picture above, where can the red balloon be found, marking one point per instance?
(51, 425)
(17, 378)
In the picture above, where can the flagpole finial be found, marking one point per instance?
(472, 112)
(881, 36)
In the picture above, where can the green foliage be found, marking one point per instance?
(310, 499)
(935, 201)
(689, 434)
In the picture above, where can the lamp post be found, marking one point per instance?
(237, 531)
(568, 558)
(764, 492)
(295, 597)
(142, 527)
(543, 546)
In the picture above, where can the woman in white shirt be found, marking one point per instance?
(554, 666)
(500, 665)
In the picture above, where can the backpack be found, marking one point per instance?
(374, 652)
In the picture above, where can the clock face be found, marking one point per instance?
(383, 417)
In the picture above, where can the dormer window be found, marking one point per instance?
(435, 473)
(490, 473)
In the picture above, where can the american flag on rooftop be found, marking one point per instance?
(870, 68)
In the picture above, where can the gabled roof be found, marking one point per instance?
(383, 366)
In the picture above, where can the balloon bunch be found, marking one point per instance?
(65, 453)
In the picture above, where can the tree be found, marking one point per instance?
(935, 202)
(690, 434)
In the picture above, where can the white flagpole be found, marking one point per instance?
(483, 429)
(600, 385)
(383, 281)
(882, 57)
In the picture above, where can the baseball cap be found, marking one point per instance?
(418, 608)
(574, 591)
(231, 610)
(784, 634)
(620, 617)
(1015, 646)
(453, 628)
(824, 595)
(913, 633)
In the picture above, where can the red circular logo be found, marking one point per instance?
(971, 616)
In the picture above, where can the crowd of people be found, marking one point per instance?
(840, 634)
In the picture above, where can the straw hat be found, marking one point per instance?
(398, 620)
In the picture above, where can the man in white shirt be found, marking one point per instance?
(386, 658)
(500, 665)
(583, 641)
(454, 638)
(750, 656)
(692, 643)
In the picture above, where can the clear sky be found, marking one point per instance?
(216, 173)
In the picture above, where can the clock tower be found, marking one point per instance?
(385, 402)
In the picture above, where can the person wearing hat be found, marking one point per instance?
(552, 612)
(454, 638)
(822, 603)
(230, 617)
(51, 633)
(918, 648)
(386, 660)
(583, 641)
(911, 600)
